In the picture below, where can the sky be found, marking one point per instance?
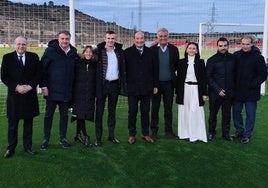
(179, 16)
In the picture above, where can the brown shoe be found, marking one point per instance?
(170, 134)
(131, 140)
(148, 139)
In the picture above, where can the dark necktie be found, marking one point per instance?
(20, 60)
(140, 50)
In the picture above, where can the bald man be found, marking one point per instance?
(21, 73)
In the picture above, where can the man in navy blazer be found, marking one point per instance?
(142, 83)
(21, 73)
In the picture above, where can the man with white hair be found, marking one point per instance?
(21, 73)
(167, 57)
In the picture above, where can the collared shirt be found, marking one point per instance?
(112, 66)
(66, 51)
(23, 58)
(163, 48)
(190, 76)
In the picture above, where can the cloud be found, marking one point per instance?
(176, 15)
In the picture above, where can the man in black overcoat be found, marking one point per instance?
(142, 83)
(21, 73)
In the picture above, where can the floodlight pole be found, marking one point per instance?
(200, 38)
(265, 31)
(265, 40)
(72, 21)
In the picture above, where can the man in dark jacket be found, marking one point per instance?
(58, 73)
(109, 82)
(21, 73)
(167, 58)
(250, 74)
(142, 83)
(220, 76)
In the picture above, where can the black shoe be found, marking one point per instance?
(245, 140)
(114, 140)
(154, 135)
(64, 143)
(170, 134)
(87, 141)
(79, 138)
(98, 143)
(237, 135)
(30, 151)
(9, 153)
(44, 145)
(211, 137)
(228, 138)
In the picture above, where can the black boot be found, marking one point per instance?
(87, 141)
(79, 138)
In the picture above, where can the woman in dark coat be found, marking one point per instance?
(83, 101)
(191, 95)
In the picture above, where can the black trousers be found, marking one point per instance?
(133, 103)
(48, 119)
(81, 127)
(166, 91)
(214, 106)
(110, 91)
(13, 133)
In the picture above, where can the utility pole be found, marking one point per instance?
(213, 20)
(140, 14)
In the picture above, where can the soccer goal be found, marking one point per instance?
(233, 32)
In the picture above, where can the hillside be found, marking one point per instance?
(42, 23)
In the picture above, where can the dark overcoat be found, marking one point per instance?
(200, 73)
(58, 71)
(141, 70)
(84, 92)
(250, 71)
(21, 106)
(220, 70)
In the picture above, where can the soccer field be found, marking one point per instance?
(165, 163)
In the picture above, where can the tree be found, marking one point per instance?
(50, 3)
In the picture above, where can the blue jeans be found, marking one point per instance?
(250, 117)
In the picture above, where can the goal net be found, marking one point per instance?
(233, 32)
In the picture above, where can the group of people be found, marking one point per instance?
(146, 75)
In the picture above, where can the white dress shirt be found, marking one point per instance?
(112, 66)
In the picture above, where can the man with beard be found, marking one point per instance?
(220, 76)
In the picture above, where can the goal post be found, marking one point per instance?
(208, 40)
